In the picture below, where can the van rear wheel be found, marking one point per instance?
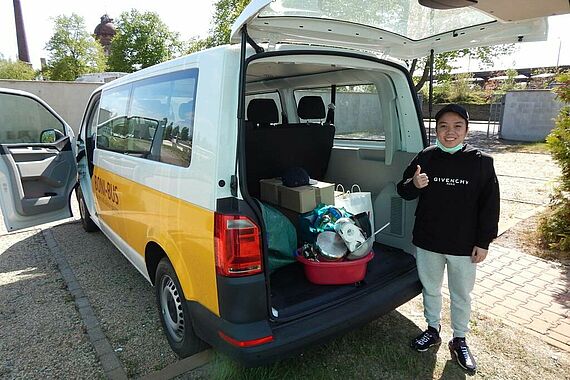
(86, 221)
(174, 312)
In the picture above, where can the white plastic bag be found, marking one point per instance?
(355, 202)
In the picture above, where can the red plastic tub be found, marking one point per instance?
(335, 272)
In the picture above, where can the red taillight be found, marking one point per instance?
(246, 343)
(237, 245)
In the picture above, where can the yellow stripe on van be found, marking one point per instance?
(139, 215)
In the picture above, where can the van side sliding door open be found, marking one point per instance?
(37, 163)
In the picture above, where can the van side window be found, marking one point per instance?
(164, 106)
(22, 120)
(358, 112)
(112, 126)
(152, 118)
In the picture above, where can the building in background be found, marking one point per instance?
(104, 33)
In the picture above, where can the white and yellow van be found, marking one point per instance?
(169, 161)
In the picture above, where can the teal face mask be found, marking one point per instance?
(446, 149)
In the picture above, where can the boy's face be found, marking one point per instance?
(451, 129)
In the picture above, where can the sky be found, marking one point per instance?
(193, 19)
(190, 20)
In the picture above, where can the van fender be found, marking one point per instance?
(161, 244)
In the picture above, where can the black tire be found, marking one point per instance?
(86, 221)
(174, 312)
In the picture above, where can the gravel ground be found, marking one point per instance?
(42, 334)
(121, 298)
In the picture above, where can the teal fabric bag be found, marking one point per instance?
(281, 237)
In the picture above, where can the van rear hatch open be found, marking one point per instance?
(401, 29)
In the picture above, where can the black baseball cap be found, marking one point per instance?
(296, 176)
(455, 108)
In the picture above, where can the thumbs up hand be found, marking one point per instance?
(420, 179)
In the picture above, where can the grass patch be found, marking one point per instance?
(380, 350)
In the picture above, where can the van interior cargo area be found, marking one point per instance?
(292, 295)
(288, 123)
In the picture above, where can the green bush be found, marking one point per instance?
(456, 89)
(16, 70)
(554, 227)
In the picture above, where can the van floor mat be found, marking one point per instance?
(293, 296)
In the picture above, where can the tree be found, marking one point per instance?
(16, 70)
(72, 50)
(226, 12)
(554, 226)
(168, 132)
(184, 134)
(443, 62)
(142, 40)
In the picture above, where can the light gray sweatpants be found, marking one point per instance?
(460, 279)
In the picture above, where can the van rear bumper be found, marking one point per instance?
(296, 335)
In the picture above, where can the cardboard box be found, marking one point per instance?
(300, 199)
(269, 190)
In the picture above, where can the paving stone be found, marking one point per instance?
(525, 313)
(521, 296)
(499, 293)
(562, 338)
(512, 304)
(539, 326)
(529, 275)
(550, 317)
(540, 283)
(488, 300)
(530, 289)
(546, 299)
(110, 362)
(535, 306)
(499, 277)
(562, 329)
(514, 318)
(518, 267)
(507, 272)
(535, 270)
(557, 308)
(509, 286)
(556, 343)
(519, 280)
(488, 283)
(500, 311)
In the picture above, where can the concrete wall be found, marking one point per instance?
(68, 99)
(529, 115)
(356, 111)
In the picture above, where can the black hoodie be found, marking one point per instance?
(459, 208)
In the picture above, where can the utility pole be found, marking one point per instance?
(23, 54)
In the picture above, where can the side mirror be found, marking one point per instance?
(49, 136)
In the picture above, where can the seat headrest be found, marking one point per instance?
(311, 107)
(185, 109)
(262, 111)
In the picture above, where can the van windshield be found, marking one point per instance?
(403, 17)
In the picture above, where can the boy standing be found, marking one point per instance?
(456, 219)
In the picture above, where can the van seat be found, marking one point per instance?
(311, 107)
(262, 113)
(271, 151)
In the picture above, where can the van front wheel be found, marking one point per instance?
(86, 221)
(174, 312)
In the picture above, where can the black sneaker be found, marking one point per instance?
(460, 352)
(425, 340)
